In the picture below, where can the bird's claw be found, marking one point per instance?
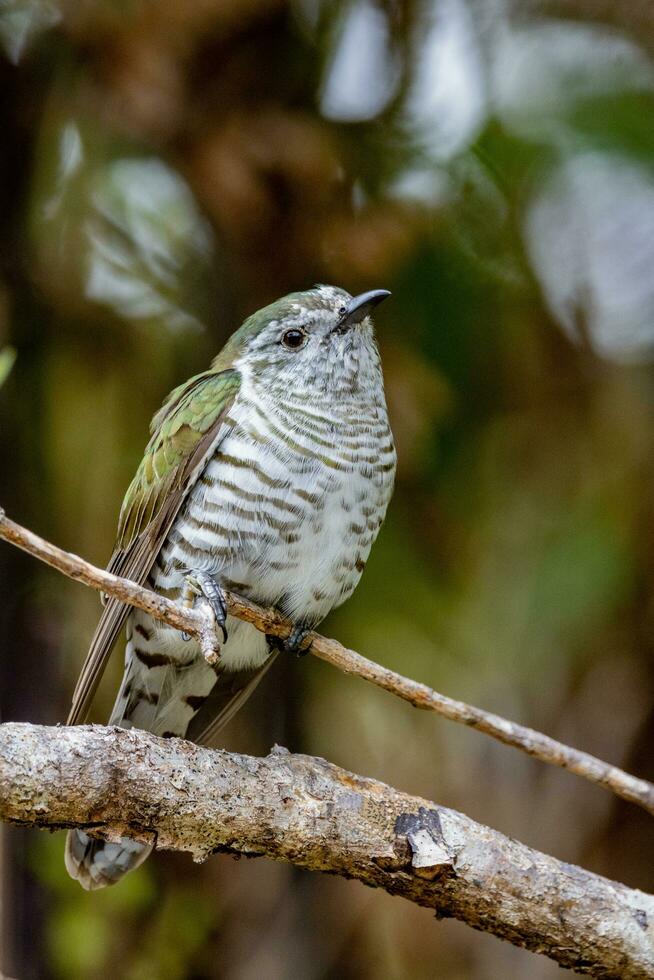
(295, 642)
(202, 584)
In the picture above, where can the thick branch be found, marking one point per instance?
(199, 623)
(319, 817)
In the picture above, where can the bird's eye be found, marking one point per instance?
(294, 339)
(342, 310)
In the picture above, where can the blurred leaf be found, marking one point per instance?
(362, 74)
(21, 21)
(590, 235)
(7, 359)
(618, 122)
(541, 71)
(447, 100)
(123, 231)
(149, 244)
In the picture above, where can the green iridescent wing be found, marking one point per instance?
(181, 430)
(185, 433)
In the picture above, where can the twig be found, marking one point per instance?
(199, 623)
(319, 817)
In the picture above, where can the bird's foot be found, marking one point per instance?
(202, 584)
(297, 642)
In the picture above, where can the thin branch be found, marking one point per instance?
(199, 623)
(319, 817)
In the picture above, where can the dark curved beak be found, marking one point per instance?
(360, 306)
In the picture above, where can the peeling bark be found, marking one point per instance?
(317, 816)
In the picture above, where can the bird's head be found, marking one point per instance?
(321, 339)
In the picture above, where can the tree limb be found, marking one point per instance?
(317, 816)
(199, 623)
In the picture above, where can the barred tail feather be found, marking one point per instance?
(162, 694)
(97, 863)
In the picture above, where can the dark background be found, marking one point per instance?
(168, 167)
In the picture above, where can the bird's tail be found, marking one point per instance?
(97, 863)
(162, 698)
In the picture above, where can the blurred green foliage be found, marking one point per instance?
(166, 169)
(7, 358)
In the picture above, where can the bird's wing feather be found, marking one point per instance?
(230, 692)
(185, 433)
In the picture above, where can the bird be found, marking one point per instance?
(268, 475)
